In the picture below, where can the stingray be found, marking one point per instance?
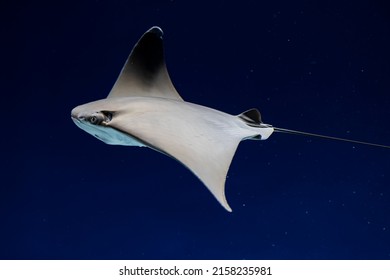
(144, 109)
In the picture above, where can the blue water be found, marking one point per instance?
(321, 68)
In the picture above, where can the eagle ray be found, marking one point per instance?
(144, 109)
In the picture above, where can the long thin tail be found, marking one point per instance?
(289, 131)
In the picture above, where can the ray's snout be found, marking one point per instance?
(76, 113)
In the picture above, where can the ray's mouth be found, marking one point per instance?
(75, 119)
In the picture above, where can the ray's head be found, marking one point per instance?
(93, 121)
(81, 114)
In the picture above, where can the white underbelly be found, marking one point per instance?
(109, 135)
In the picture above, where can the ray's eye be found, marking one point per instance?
(100, 118)
(94, 120)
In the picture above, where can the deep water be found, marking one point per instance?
(316, 67)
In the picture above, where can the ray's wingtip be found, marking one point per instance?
(227, 208)
(156, 30)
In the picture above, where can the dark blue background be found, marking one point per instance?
(322, 67)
